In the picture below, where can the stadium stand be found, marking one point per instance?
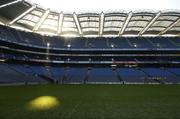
(74, 75)
(28, 57)
(139, 42)
(119, 43)
(102, 75)
(76, 43)
(14, 74)
(135, 77)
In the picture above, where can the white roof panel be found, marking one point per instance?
(117, 22)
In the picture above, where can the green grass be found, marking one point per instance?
(93, 102)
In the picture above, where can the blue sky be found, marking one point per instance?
(105, 5)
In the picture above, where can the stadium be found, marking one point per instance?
(121, 64)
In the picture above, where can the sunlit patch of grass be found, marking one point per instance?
(43, 103)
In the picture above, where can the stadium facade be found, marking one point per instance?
(107, 47)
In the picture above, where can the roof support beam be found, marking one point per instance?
(101, 24)
(125, 23)
(77, 23)
(60, 22)
(168, 28)
(1, 23)
(10, 3)
(22, 15)
(150, 23)
(178, 34)
(44, 16)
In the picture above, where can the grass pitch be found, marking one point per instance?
(91, 102)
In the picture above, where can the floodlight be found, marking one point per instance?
(69, 45)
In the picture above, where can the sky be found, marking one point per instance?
(107, 5)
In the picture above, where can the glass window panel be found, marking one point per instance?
(52, 16)
(69, 29)
(26, 22)
(156, 29)
(49, 27)
(88, 18)
(50, 22)
(68, 19)
(162, 23)
(111, 29)
(114, 23)
(90, 29)
(133, 29)
(115, 18)
(175, 29)
(178, 24)
(168, 18)
(141, 18)
(68, 24)
(138, 23)
(31, 18)
(90, 24)
(38, 13)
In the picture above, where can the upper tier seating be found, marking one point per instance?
(119, 43)
(55, 42)
(10, 34)
(175, 41)
(76, 43)
(140, 42)
(97, 43)
(160, 42)
(32, 38)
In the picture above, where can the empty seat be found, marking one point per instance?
(55, 42)
(76, 43)
(16, 74)
(155, 74)
(175, 41)
(118, 43)
(138, 42)
(75, 75)
(32, 39)
(161, 42)
(56, 73)
(97, 43)
(105, 75)
(131, 75)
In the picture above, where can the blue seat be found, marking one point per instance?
(105, 75)
(17, 74)
(55, 42)
(75, 75)
(131, 75)
(140, 42)
(32, 38)
(76, 43)
(161, 42)
(99, 43)
(118, 43)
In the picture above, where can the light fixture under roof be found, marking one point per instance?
(40, 17)
(69, 45)
(48, 44)
(112, 45)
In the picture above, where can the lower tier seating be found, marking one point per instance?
(14, 73)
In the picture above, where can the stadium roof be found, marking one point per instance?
(32, 17)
